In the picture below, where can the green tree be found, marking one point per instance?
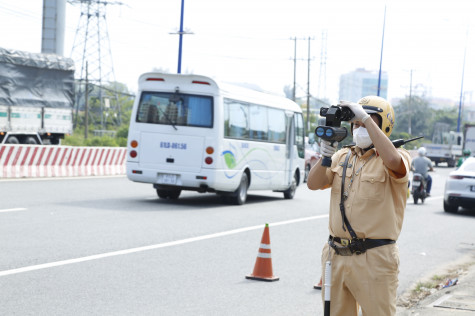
(413, 116)
(447, 116)
(115, 112)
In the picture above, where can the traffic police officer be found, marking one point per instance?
(366, 211)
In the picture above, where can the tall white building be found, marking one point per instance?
(359, 83)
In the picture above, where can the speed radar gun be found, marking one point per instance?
(332, 130)
(328, 285)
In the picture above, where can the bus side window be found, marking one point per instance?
(258, 122)
(276, 123)
(238, 120)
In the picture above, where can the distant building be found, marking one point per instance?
(359, 83)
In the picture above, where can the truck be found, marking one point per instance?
(446, 145)
(36, 97)
(469, 138)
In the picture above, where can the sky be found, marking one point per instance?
(251, 41)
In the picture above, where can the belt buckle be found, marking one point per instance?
(344, 242)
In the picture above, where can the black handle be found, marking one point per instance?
(327, 162)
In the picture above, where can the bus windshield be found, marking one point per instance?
(175, 109)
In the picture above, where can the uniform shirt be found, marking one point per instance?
(422, 165)
(376, 196)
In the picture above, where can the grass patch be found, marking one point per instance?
(424, 288)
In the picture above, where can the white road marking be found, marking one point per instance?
(440, 300)
(13, 209)
(151, 247)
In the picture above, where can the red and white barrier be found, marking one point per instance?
(30, 161)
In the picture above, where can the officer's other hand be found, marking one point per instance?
(327, 149)
(357, 110)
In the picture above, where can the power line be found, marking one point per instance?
(20, 12)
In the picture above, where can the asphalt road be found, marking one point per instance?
(107, 246)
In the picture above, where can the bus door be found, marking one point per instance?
(289, 146)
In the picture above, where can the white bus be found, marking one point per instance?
(187, 132)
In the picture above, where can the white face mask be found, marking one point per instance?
(361, 137)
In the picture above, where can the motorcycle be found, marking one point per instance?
(418, 188)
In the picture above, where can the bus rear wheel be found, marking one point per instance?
(290, 192)
(168, 194)
(239, 196)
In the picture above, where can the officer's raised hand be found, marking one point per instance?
(357, 109)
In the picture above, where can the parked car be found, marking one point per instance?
(460, 187)
(312, 155)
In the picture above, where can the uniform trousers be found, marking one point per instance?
(369, 279)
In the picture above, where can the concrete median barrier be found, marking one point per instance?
(33, 161)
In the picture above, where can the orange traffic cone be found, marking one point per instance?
(263, 267)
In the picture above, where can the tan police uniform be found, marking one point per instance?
(375, 210)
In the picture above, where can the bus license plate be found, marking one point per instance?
(164, 178)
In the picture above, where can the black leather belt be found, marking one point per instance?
(357, 245)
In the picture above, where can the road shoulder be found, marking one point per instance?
(448, 290)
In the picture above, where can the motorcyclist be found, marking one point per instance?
(466, 153)
(423, 165)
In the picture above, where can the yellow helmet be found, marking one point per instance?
(376, 105)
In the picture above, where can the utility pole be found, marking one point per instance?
(180, 33)
(295, 68)
(461, 86)
(322, 76)
(381, 57)
(86, 105)
(410, 108)
(181, 36)
(308, 87)
(308, 76)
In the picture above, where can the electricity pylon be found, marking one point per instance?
(92, 46)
